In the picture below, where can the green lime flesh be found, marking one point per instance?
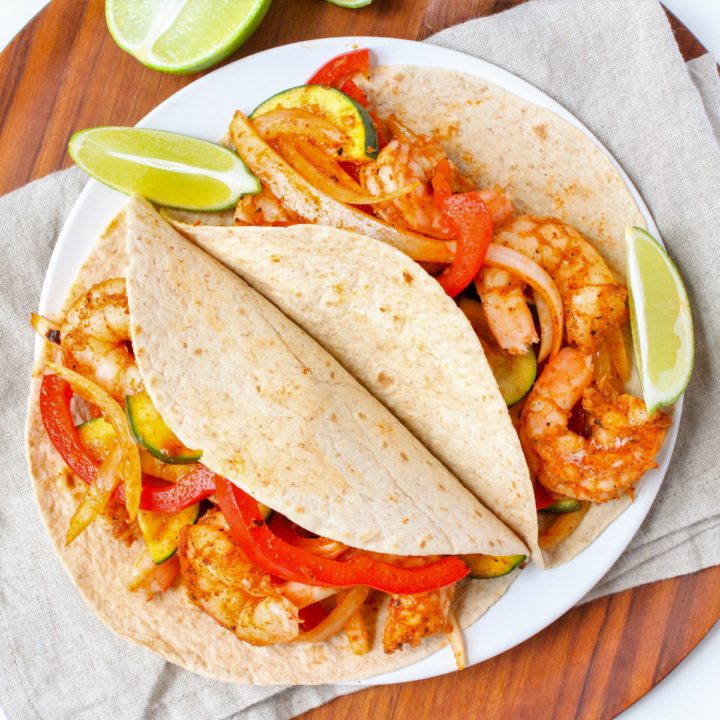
(166, 168)
(186, 36)
(350, 3)
(660, 318)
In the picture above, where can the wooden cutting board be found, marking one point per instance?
(64, 73)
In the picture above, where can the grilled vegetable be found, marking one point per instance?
(515, 374)
(563, 528)
(563, 505)
(153, 434)
(484, 567)
(161, 531)
(333, 105)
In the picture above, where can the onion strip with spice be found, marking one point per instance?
(46, 329)
(326, 175)
(97, 495)
(348, 602)
(131, 473)
(357, 634)
(282, 122)
(318, 208)
(456, 640)
(533, 275)
(301, 595)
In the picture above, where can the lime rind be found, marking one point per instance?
(237, 178)
(654, 395)
(223, 48)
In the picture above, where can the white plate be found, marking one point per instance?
(204, 109)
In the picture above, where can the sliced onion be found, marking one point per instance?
(293, 121)
(97, 495)
(318, 208)
(46, 329)
(533, 275)
(456, 640)
(397, 128)
(301, 595)
(357, 634)
(130, 465)
(348, 603)
(546, 325)
(326, 175)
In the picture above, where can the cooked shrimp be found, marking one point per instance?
(237, 594)
(593, 301)
(413, 617)
(262, 209)
(507, 313)
(623, 443)
(405, 161)
(94, 339)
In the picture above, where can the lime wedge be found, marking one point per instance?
(661, 321)
(350, 3)
(166, 168)
(183, 36)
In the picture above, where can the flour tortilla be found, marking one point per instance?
(419, 368)
(393, 328)
(546, 165)
(170, 625)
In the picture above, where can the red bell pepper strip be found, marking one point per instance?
(471, 222)
(275, 556)
(441, 188)
(542, 497)
(157, 495)
(350, 88)
(311, 616)
(345, 64)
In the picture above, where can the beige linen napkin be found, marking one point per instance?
(615, 65)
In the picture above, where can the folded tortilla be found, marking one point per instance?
(392, 327)
(259, 400)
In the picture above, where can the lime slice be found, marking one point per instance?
(350, 3)
(183, 36)
(166, 168)
(661, 321)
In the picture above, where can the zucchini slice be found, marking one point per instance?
(98, 437)
(152, 432)
(484, 567)
(336, 107)
(161, 531)
(562, 505)
(514, 374)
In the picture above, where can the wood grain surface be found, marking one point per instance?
(64, 73)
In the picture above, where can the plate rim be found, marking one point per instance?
(59, 278)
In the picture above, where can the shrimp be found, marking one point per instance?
(407, 160)
(94, 339)
(593, 301)
(263, 209)
(623, 440)
(413, 617)
(507, 313)
(237, 594)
